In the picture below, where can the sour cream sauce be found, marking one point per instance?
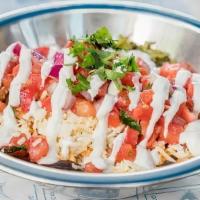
(161, 93)
(178, 97)
(25, 66)
(59, 96)
(100, 131)
(134, 95)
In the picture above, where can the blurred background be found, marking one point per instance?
(187, 6)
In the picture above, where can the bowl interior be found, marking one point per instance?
(180, 39)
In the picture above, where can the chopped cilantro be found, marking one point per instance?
(113, 75)
(82, 85)
(127, 64)
(88, 60)
(101, 38)
(132, 123)
(77, 48)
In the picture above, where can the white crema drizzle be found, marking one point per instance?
(161, 93)
(178, 97)
(134, 95)
(196, 92)
(100, 131)
(25, 65)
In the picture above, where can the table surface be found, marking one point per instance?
(187, 189)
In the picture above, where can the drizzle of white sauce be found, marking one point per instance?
(134, 95)
(59, 96)
(117, 143)
(52, 52)
(179, 96)
(25, 65)
(181, 77)
(112, 89)
(99, 137)
(95, 84)
(143, 158)
(161, 93)
(35, 111)
(196, 92)
(9, 126)
(5, 57)
(191, 137)
(45, 70)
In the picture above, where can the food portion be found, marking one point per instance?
(98, 105)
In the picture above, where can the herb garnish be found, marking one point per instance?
(82, 85)
(132, 123)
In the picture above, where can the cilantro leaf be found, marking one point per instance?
(127, 64)
(82, 85)
(113, 75)
(77, 48)
(88, 60)
(132, 123)
(101, 38)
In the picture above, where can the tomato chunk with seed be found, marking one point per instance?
(38, 148)
(131, 137)
(19, 140)
(126, 152)
(128, 79)
(123, 100)
(84, 108)
(113, 118)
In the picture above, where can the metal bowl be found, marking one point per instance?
(53, 23)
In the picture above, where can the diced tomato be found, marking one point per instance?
(2, 106)
(84, 108)
(34, 82)
(142, 112)
(126, 152)
(38, 147)
(145, 81)
(144, 125)
(113, 118)
(90, 168)
(103, 90)
(15, 70)
(127, 79)
(174, 131)
(146, 96)
(69, 43)
(7, 80)
(156, 133)
(44, 51)
(36, 66)
(123, 100)
(131, 137)
(26, 97)
(170, 70)
(189, 88)
(19, 140)
(186, 114)
(143, 67)
(46, 103)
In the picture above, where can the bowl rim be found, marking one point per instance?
(64, 177)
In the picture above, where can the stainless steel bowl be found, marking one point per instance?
(53, 23)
